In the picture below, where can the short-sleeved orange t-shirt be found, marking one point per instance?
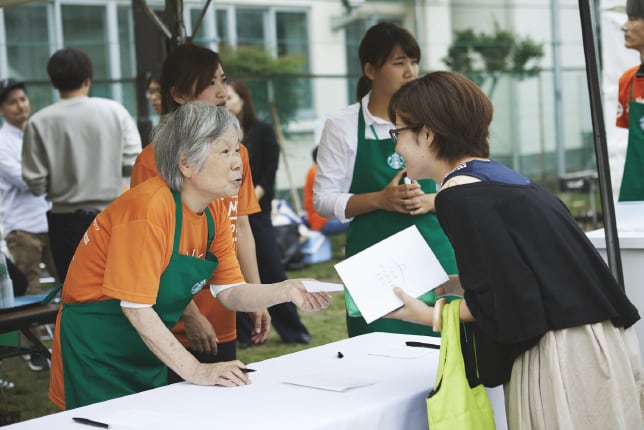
(126, 249)
(245, 203)
(627, 79)
(315, 220)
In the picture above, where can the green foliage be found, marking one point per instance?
(487, 56)
(269, 79)
(527, 50)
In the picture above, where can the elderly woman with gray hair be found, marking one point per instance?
(142, 260)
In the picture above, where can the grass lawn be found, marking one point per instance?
(29, 396)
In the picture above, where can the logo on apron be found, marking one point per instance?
(198, 286)
(395, 161)
(641, 122)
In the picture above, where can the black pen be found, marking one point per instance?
(91, 423)
(247, 369)
(422, 344)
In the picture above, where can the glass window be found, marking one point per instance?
(292, 40)
(285, 32)
(292, 35)
(223, 32)
(354, 33)
(197, 37)
(250, 27)
(27, 38)
(126, 41)
(85, 28)
(127, 55)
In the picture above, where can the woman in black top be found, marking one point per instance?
(263, 154)
(549, 320)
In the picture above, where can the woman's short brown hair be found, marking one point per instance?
(450, 105)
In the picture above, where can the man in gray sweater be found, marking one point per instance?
(76, 151)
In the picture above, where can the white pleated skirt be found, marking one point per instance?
(582, 378)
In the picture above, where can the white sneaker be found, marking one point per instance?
(6, 385)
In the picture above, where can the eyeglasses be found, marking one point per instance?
(396, 131)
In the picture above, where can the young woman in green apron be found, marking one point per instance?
(145, 257)
(373, 197)
(632, 188)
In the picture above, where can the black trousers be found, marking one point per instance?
(18, 279)
(284, 316)
(66, 230)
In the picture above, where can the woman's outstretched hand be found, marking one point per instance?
(305, 300)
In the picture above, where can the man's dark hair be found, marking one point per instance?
(69, 68)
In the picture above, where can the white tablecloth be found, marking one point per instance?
(394, 400)
(630, 233)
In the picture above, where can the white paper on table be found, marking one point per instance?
(403, 260)
(317, 286)
(328, 382)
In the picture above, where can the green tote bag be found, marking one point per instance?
(453, 404)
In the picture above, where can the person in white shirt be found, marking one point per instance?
(77, 151)
(24, 219)
(24, 216)
(360, 175)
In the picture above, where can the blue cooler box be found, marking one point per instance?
(317, 248)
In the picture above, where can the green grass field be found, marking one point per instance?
(29, 396)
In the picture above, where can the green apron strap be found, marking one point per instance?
(179, 215)
(179, 218)
(211, 228)
(373, 130)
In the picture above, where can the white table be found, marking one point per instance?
(629, 218)
(395, 400)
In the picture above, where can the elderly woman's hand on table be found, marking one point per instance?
(227, 374)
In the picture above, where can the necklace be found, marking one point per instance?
(455, 169)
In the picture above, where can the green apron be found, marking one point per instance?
(103, 355)
(632, 188)
(376, 163)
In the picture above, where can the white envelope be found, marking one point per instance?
(403, 260)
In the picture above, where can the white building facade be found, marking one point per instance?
(535, 131)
